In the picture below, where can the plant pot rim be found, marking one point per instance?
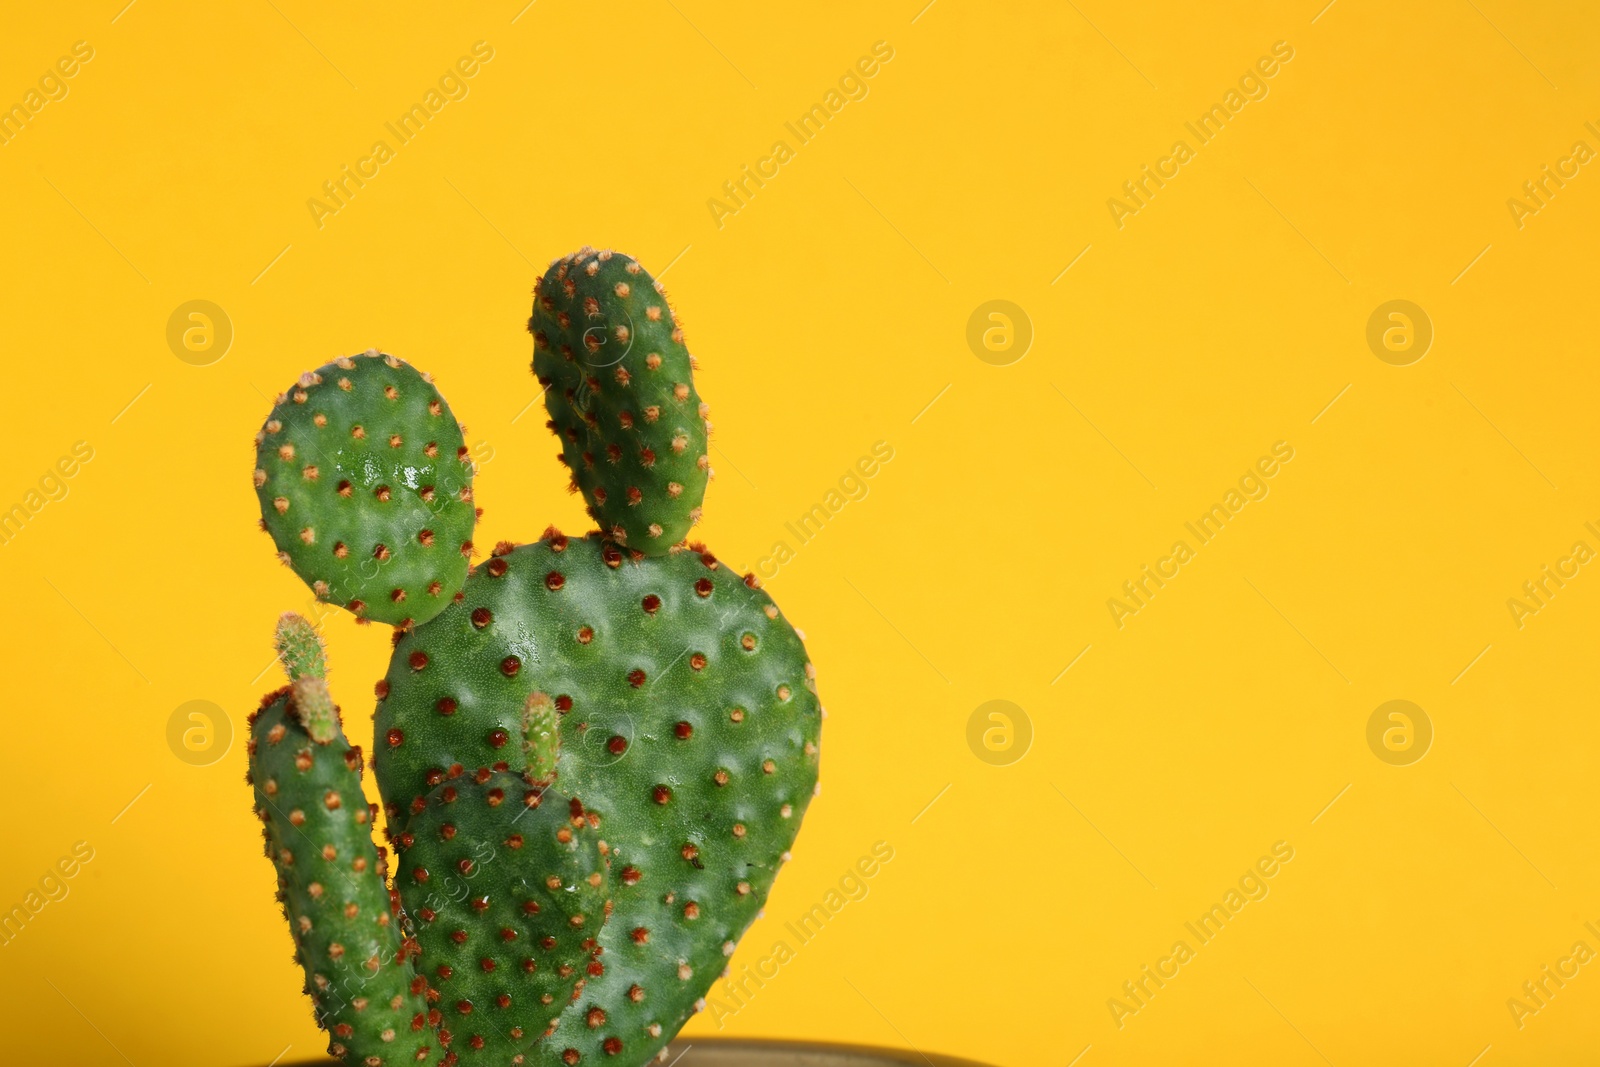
(774, 1052)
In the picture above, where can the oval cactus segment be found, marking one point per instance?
(331, 881)
(619, 386)
(365, 484)
(689, 727)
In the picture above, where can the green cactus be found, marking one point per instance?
(595, 755)
(506, 884)
(689, 731)
(348, 930)
(619, 386)
(365, 485)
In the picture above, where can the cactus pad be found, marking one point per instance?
(331, 882)
(506, 884)
(365, 485)
(619, 387)
(688, 726)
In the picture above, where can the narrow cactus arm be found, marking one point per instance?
(348, 929)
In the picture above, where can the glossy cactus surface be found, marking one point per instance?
(619, 386)
(365, 484)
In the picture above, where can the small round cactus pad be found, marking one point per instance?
(365, 485)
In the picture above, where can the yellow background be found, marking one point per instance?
(827, 314)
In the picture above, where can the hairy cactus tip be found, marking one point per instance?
(541, 737)
(304, 661)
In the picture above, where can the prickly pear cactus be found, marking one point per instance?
(619, 387)
(688, 729)
(348, 931)
(595, 755)
(507, 885)
(365, 485)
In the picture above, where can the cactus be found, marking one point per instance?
(507, 885)
(594, 758)
(365, 485)
(619, 387)
(331, 880)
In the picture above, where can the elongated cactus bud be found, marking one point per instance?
(541, 736)
(300, 650)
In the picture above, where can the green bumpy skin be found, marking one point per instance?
(619, 386)
(506, 883)
(689, 728)
(331, 881)
(365, 485)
